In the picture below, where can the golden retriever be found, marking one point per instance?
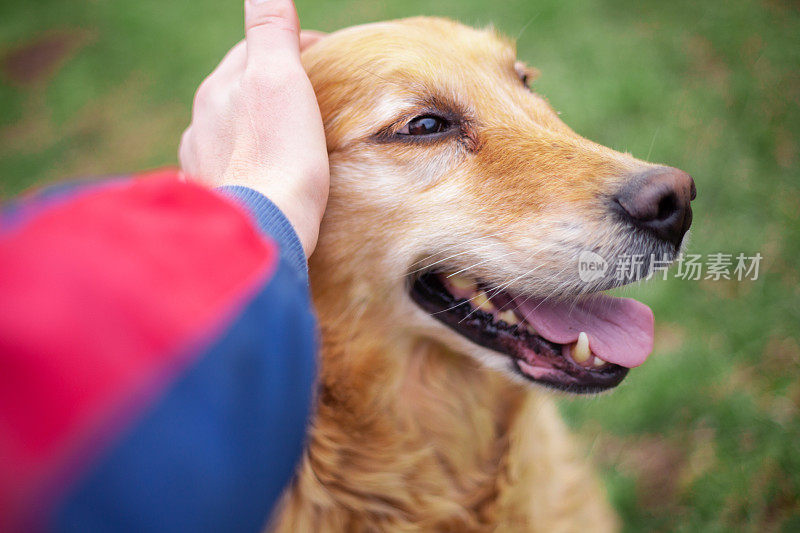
(447, 286)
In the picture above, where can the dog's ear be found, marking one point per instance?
(309, 38)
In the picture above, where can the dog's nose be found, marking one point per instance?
(659, 200)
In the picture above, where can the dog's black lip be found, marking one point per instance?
(430, 294)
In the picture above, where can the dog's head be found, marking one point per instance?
(464, 210)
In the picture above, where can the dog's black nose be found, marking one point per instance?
(659, 200)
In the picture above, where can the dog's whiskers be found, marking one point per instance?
(527, 24)
(479, 263)
(462, 243)
(552, 293)
(484, 247)
(502, 286)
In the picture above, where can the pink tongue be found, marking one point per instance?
(620, 330)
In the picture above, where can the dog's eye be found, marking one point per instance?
(425, 125)
(526, 74)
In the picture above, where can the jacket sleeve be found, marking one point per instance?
(157, 358)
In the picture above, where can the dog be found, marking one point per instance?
(448, 292)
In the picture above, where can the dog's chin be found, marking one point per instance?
(503, 340)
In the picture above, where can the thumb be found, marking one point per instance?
(271, 27)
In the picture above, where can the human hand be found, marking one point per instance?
(256, 122)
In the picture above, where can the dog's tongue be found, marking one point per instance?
(620, 330)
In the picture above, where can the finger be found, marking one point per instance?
(271, 27)
(309, 37)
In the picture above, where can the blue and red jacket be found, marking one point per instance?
(157, 357)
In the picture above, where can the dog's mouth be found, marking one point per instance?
(582, 345)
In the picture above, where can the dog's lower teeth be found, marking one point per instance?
(509, 317)
(599, 362)
(581, 352)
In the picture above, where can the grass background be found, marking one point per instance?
(704, 437)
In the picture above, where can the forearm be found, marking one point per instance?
(157, 354)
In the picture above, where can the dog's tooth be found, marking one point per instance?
(581, 352)
(482, 302)
(529, 328)
(509, 317)
(599, 362)
(464, 283)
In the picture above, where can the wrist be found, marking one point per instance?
(300, 209)
(272, 221)
(304, 216)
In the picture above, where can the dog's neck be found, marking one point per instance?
(437, 422)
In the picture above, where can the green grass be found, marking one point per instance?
(704, 437)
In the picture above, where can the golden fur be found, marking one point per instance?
(416, 428)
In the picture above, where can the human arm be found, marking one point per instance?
(157, 358)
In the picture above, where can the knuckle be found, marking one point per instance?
(256, 77)
(278, 15)
(279, 70)
(273, 21)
